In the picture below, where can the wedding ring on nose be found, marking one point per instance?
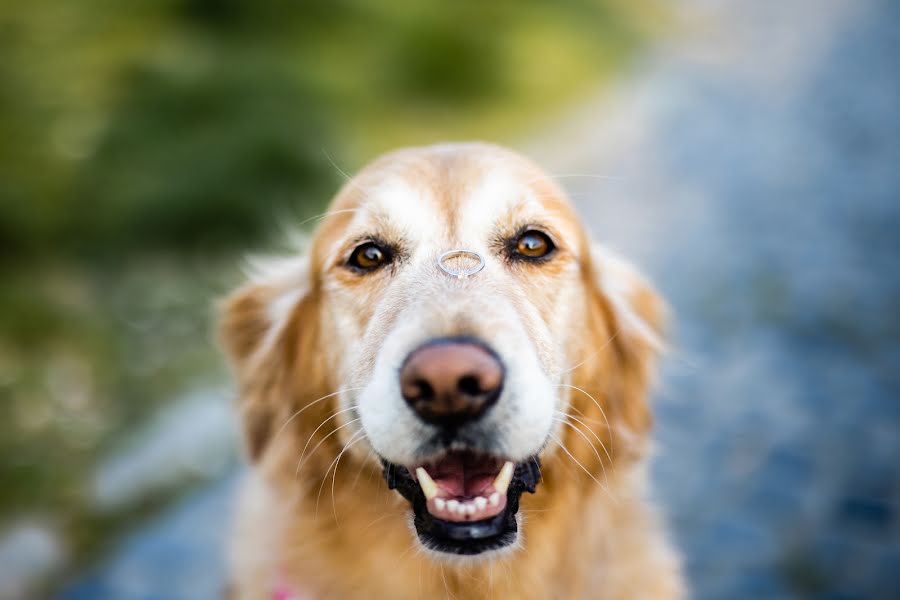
(461, 273)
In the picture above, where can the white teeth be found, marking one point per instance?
(466, 508)
(501, 483)
(427, 483)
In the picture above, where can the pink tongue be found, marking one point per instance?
(450, 474)
(457, 478)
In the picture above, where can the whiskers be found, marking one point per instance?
(566, 419)
(325, 215)
(596, 352)
(565, 449)
(572, 421)
(324, 439)
(306, 453)
(310, 405)
(597, 404)
(336, 463)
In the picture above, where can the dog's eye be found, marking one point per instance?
(368, 257)
(533, 244)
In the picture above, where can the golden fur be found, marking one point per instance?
(330, 528)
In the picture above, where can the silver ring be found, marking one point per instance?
(460, 274)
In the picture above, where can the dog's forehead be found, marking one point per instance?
(463, 206)
(405, 207)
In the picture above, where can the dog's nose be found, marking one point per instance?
(449, 382)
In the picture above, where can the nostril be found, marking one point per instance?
(417, 390)
(469, 386)
(423, 390)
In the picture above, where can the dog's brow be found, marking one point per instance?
(488, 204)
(398, 208)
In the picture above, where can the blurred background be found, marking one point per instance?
(744, 154)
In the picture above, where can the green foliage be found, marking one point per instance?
(200, 160)
(130, 127)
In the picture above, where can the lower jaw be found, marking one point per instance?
(467, 539)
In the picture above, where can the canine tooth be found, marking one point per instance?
(494, 499)
(440, 503)
(501, 483)
(452, 505)
(426, 483)
(470, 508)
(480, 502)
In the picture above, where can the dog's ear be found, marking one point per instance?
(264, 327)
(634, 316)
(638, 307)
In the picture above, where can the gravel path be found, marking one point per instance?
(755, 175)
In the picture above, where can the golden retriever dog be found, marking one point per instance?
(444, 395)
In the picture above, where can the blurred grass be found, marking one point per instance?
(144, 144)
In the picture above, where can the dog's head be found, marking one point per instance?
(457, 374)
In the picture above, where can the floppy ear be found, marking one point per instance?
(264, 327)
(640, 310)
(635, 316)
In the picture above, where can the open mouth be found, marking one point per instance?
(465, 502)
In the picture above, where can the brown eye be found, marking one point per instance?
(368, 257)
(533, 245)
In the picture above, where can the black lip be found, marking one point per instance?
(466, 539)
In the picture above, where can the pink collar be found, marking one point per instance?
(283, 591)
